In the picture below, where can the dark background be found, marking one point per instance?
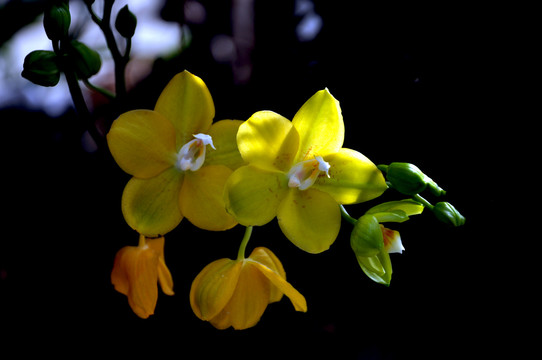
(417, 83)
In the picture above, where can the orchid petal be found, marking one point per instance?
(151, 206)
(224, 134)
(142, 143)
(319, 123)
(253, 195)
(265, 257)
(298, 300)
(353, 178)
(268, 140)
(310, 219)
(187, 103)
(202, 200)
(213, 288)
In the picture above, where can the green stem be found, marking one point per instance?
(109, 95)
(422, 201)
(347, 216)
(120, 60)
(244, 242)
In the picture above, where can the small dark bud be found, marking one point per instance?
(126, 22)
(41, 68)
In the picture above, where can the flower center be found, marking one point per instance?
(303, 174)
(192, 154)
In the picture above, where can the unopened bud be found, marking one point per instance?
(408, 179)
(85, 61)
(41, 67)
(56, 20)
(126, 22)
(448, 214)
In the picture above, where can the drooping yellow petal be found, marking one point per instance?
(265, 257)
(319, 123)
(353, 178)
(268, 140)
(151, 206)
(298, 300)
(213, 288)
(224, 135)
(187, 103)
(248, 302)
(135, 275)
(164, 276)
(142, 143)
(252, 195)
(202, 198)
(310, 219)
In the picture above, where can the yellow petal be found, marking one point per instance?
(268, 140)
(213, 288)
(265, 257)
(248, 301)
(253, 195)
(151, 206)
(202, 198)
(135, 275)
(187, 103)
(320, 125)
(353, 178)
(310, 219)
(164, 276)
(142, 143)
(298, 300)
(224, 134)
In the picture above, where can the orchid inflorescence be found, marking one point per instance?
(231, 172)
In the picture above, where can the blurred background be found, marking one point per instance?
(416, 83)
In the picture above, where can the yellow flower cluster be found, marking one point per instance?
(228, 172)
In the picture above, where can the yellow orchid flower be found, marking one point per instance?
(138, 270)
(299, 172)
(236, 292)
(179, 160)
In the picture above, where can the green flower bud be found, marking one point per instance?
(41, 67)
(408, 179)
(446, 213)
(366, 238)
(85, 61)
(126, 22)
(56, 20)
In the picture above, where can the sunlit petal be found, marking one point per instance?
(151, 206)
(353, 178)
(187, 103)
(253, 195)
(202, 198)
(142, 143)
(268, 140)
(319, 123)
(310, 219)
(213, 288)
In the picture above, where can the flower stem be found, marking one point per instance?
(347, 216)
(244, 242)
(422, 201)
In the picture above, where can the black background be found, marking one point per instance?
(417, 83)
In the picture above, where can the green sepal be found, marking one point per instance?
(377, 268)
(366, 238)
(41, 68)
(395, 211)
